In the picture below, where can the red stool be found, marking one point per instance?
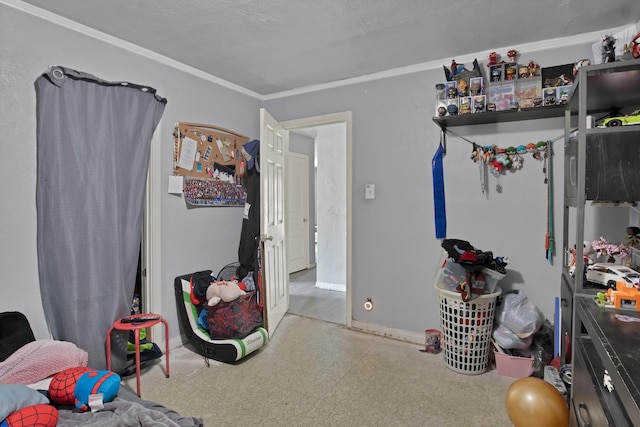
(135, 326)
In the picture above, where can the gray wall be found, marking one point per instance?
(395, 253)
(192, 239)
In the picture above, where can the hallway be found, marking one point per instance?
(305, 299)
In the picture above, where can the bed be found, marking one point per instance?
(127, 409)
(27, 367)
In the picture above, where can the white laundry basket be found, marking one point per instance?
(466, 330)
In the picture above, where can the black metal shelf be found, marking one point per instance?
(611, 87)
(616, 345)
(501, 116)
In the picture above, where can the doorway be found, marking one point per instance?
(322, 290)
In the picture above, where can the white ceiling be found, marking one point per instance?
(278, 45)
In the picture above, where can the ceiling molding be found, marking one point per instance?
(579, 39)
(133, 48)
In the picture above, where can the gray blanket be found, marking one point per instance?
(128, 410)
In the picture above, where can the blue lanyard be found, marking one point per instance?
(440, 214)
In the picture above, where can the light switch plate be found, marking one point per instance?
(369, 191)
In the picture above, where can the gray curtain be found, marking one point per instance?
(93, 146)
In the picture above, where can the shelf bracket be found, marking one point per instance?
(441, 123)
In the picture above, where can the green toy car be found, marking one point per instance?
(629, 119)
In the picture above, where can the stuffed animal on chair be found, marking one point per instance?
(226, 291)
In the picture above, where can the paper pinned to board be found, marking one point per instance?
(187, 153)
(224, 150)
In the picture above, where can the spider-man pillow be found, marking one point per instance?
(32, 416)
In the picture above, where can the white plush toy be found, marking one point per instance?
(226, 291)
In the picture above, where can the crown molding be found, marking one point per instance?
(578, 39)
(130, 47)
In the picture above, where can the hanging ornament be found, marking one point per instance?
(483, 184)
(517, 162)
(475, 154)
(507, 162)
(498, 160)
(540, 147)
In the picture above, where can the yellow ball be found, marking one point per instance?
(532, 402)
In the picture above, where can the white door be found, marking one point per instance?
(297, 211)
(274, 141)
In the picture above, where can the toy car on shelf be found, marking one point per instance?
(629, 119)
(608, 274)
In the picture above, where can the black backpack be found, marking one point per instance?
(15, 332)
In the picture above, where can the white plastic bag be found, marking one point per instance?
(519, 314)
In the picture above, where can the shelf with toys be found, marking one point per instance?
(601, 185)
(601, 162)
(513, 92)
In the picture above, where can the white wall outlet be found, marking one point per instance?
(369, 191)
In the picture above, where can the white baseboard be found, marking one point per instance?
(175, 342)
(383, 331)
(332, 286)
(370, 328)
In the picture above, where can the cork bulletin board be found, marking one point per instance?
(209, 160)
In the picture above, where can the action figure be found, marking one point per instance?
(493, 59)
(608, 49)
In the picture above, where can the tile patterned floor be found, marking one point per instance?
(316, 373)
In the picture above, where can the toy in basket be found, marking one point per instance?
(453, 277)
(469, 271)
(467, 285)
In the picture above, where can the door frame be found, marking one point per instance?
(328, 119)
(152, 238)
